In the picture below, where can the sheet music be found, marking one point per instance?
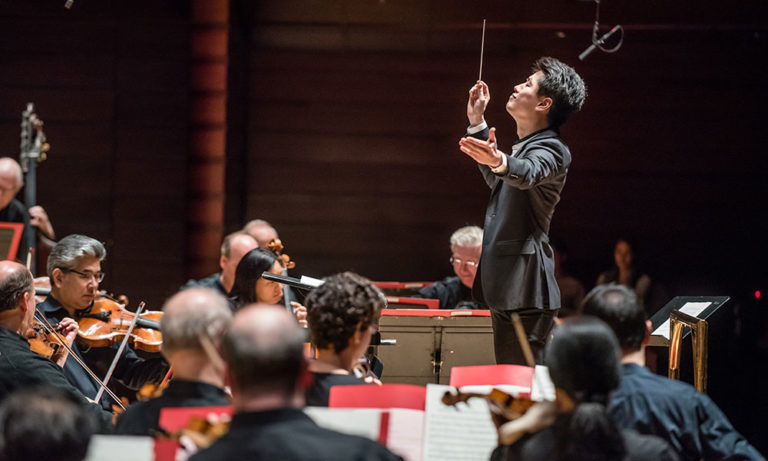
(692, 309)
(542, 387)
(461, 433)
(406, 433)
(365, 422)
(120, 448)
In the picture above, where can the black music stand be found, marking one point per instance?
(10, 238)
(691, 305)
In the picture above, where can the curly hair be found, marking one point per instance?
(335, 309)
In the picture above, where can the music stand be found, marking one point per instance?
(10, 238)
(701, 307)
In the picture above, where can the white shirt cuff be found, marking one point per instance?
(501, 169)
(477, 128)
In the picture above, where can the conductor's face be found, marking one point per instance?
(525, 97)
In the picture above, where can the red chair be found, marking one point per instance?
(384, 396)
(492, 375)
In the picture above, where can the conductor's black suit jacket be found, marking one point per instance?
(517, 267)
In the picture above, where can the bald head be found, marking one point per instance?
(190, 313)
(234, 247)
(11, 180)
(264, 350)
(15, 280)
(262, 231)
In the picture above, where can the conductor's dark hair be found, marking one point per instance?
(561, 83)
(45, 422)
(584, 361)
(335, 309)
(13, 287)
(618, 306)
(248, 271)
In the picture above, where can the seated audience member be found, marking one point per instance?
(455, 292)
(19, 366)
(190, 317)
(583, 360)
(45, 423)
(652, 404)
(342, 315)
(234, 246)
(571, 290)
(264, 349)
(624, 272)
(261, 230)
(74, 267)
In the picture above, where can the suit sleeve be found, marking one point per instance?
(538, 165)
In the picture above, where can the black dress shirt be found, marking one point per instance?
(21, 368)
(678, 413)
(317, 394)
(288, 434)
(131, 370)
(141, 418)
(452, 294)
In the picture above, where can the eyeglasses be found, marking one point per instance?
(98, 276)
(458, 262)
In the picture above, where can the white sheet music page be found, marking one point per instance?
(365, 422)
(461, 433)
(692, 309)
(406, 433)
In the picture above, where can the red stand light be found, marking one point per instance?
(757, 294)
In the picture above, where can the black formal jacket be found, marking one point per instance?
(131, 370)
(21, 368)
(287, 434)
(141, 418)
(517, 266)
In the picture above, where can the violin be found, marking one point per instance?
(44, 342)
(106, 322)
(505, 405)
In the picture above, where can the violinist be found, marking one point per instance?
(21, 368)
(190, 316)
(583, 359)
(343, 314)
(234, 246)
(74, 268)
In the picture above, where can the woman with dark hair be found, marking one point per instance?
(625, 271)
(249, 286)
(343, 314)
(584, 359)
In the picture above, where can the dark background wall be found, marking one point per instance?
(343, 121)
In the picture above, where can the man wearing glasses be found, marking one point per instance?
(74, 267)
(455, 292)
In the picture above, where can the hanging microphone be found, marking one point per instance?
(599, 42)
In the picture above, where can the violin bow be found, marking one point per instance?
(47, 325)
(120, 350)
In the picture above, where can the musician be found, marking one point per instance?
(261, 230)
(21, 368)
(74, 268)
(343, 314)
(234, 246)
(198, 375)
(456, 291)
(249, 286)
(12, 210)
(689, 420)
(516, 271)
(264, 351)
(45, 423)
(583, 361)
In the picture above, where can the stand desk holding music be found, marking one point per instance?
(429, 342)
